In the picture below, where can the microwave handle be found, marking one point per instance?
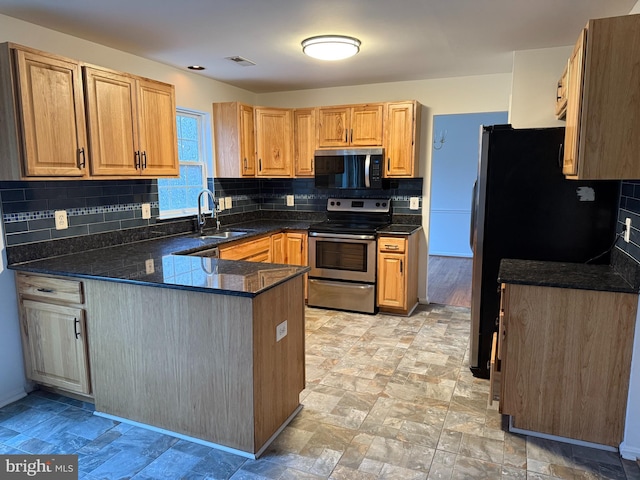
(367, 165)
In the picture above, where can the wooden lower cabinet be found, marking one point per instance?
(565, 361)
(54, 335)
(253, 250)
(398, 274)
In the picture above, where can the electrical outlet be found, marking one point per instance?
(228, 202)
(290, 201)
(146, 210)
(149, 266)
(220, 204)
(627, 230)
(281, 331)
(414, 203)
(61, 219)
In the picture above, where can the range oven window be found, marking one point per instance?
(341, 256)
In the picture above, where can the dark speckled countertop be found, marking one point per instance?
(563, 275)
(155, 263)
(400, 229)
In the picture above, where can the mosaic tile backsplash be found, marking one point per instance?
(630, 208)
(107, 206)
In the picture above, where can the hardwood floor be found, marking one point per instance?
(449, 281)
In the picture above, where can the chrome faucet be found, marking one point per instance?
(214, 210)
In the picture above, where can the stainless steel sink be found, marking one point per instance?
(222, 234)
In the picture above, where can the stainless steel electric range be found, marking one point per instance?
(342, 254)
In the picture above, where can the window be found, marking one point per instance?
(179, 196)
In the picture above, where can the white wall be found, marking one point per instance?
(484, 93)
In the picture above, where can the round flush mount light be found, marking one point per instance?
(195, 67)
(331, 47)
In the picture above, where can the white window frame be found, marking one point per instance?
(205, 162)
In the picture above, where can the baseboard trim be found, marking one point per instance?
(629, 452)
(12, 397)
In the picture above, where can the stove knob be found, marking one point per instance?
(384, 204)
(338, 203)
(377, 204)
(332, 203)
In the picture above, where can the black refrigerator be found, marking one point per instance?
(524, 208)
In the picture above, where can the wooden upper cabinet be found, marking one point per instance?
(64, 119)
(603, 125)
(304, 139)
(158, 140)
(401, 146)
(132, 126)
(356, 125)
(234, 137)
(274, 142)
(42, 129)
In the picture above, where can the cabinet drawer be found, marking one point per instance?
(250, 249)
(392, 244)
(67, 291)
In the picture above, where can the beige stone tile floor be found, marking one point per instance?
(392, 397)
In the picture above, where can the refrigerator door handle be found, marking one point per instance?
(472, 226)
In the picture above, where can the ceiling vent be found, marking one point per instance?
(241, 61)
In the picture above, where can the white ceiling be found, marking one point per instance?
(401, 39)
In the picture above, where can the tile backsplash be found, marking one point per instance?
(113, 205)
(630, 208)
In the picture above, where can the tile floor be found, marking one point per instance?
(387, 397)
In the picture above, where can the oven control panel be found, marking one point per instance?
(368, 205)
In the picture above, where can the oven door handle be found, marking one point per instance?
(344, 236)
(367, 167)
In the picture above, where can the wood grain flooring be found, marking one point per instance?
(449, 281)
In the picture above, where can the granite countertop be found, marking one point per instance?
(563, 275)
(163, 262)
(400, 229)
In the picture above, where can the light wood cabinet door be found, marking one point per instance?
(392, 280)
(575, 78)
(274, 142)
(52, 114)
(357, 125)
(158, 140)
(400, 145)
(255, 250)
(56, 348)
(112, 118)
(366, 125)
(304, 135)
(296, 249)
(602, 137)
(234, 139)
(278, 248)
(566, 359)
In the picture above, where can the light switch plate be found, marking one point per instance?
(61, 219)
(414, 203)
(281, 331)
(146, 210)
(228, 202)
(290, 201)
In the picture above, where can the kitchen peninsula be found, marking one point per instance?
(206, 348)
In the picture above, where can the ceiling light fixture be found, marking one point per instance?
(331, 47)
(195, 67)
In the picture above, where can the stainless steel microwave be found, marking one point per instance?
(353, 168)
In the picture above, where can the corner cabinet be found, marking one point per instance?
(397, 282)
(274, 137)
(54, 332)
(42, 125)
(62, 119)
(563, 357)
(602, 136)
(234, 138)
(351, 125)
(401, 146)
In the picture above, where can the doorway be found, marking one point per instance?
(454, 166)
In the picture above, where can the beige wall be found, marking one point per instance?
(485, 93)
(535, 76)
